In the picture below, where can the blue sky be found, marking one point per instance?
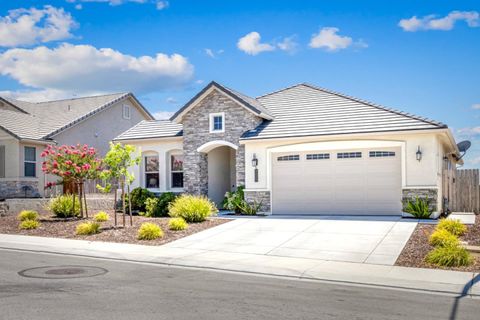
(420, 57)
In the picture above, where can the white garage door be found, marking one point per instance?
(349, 182)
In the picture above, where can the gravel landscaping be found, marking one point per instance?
(416, 249)
(61, 228)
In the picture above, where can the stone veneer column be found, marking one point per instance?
(410, 194)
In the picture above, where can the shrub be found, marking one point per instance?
(139, 197)
(443, 238)
(250, 209)
(455, 227)
(192, 208)
(450, 256)
(419, 208)
(151, 208)
(177, 224)
(27, 215)
(149, 231)
(29, 224)
(101, 216)
(158, 207)
(233, 200)
(62, 206)
(88, 228)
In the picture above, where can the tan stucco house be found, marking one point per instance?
(26, 128)
(300, 150)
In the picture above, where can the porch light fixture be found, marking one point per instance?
(419, 154)
(255, 164)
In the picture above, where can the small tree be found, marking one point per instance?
(117, 161)
(72, 164)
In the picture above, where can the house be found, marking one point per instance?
(26, 128)
(299, 150)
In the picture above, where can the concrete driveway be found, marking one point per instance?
(372, 240)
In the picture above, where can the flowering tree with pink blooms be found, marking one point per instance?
(72, 164)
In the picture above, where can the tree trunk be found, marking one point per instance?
(129, 205)
(115, 203)
(123, 201)
(85, 200)
(80, 198)
(73, 204)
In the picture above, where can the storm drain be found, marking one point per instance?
(63, 272)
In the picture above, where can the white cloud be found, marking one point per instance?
(469, 132)
(213, 54)
(432, 22)
(250, 44)
(42, 95)
(83, 69)
(23, 27)
(329, 39)
(162, 5)
(288, 44)
(171, 100)
(79, 6)
(476, 106)
(159, 4)
(163, 115)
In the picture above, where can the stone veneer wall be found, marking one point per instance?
(262, 197)
(196, 132)
(13, 189)
(3, 209)
(427, 193)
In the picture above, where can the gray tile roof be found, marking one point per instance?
(150, 129)
(45, 119)
(306, 110)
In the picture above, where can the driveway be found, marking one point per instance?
(371, 240)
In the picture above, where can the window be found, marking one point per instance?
(380, 154)
(30, 162)
(2, 161)
(126, 112)
(176, 165)
(152, 177)
(318, 156)
(217, 122)
(348, 155)
(291, 157)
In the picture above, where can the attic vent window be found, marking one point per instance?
(126, 112)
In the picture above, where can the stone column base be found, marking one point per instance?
(431, 194)
(262, 197)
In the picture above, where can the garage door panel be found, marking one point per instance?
(363, 185)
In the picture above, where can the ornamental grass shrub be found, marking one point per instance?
(27, 215)
(450, 256)
(177, 224)
(29, 224)
(443, 238)
(419, 208)
(101, 216)
(149, 231)
(88, 228)
(455, 227)
(62, 206)
(192, 208)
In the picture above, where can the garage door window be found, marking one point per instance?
(381, 154)
(318, 156)
(349, 155)
(292, 157)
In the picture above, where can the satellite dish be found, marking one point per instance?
(463, 147)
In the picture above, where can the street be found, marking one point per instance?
(108, 289)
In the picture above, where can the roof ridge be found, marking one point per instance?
(378, 106)
(78, 98)
(279, 90)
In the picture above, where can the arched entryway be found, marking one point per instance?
(221, 159)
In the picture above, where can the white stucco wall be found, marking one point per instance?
(12, 166)
(100, 129)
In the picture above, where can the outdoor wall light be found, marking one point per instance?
(255, 164)
(419, 154)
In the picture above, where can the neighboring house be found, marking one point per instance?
(26, 128)
(299, 150)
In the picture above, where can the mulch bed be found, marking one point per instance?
(65, 228)
(417, 248)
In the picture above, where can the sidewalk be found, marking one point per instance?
(379, 275)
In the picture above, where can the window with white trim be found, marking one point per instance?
(217, 122)
(126, 112)
(2, 161)
(176, 171)
(318, 156)
(349, 155)
(152, 172)
(381, 154)
(30, 161)
(291, 157)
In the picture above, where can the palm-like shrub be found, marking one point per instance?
(101, 216)
(443, 238)
(419, 208)
(149, 231)
(27, 215)
(455, 227)
(29, 224)
(177, 224)
(192, 208)
(449, 256)
(88, 228)
(62, 206)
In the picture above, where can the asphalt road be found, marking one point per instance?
(141, 291)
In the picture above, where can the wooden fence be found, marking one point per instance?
(463, 191)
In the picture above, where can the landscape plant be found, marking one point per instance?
(158, 207)
(455, 227)
(177, 224)
(29, 224)
(235, 201)
(101, 216)
(117, 161)
(443, 238)
(64, 206)
(138, 198)
(149, 231)
(449, 256)
(192, 208)
(419, 208)
(87, 228)
(27, 215)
